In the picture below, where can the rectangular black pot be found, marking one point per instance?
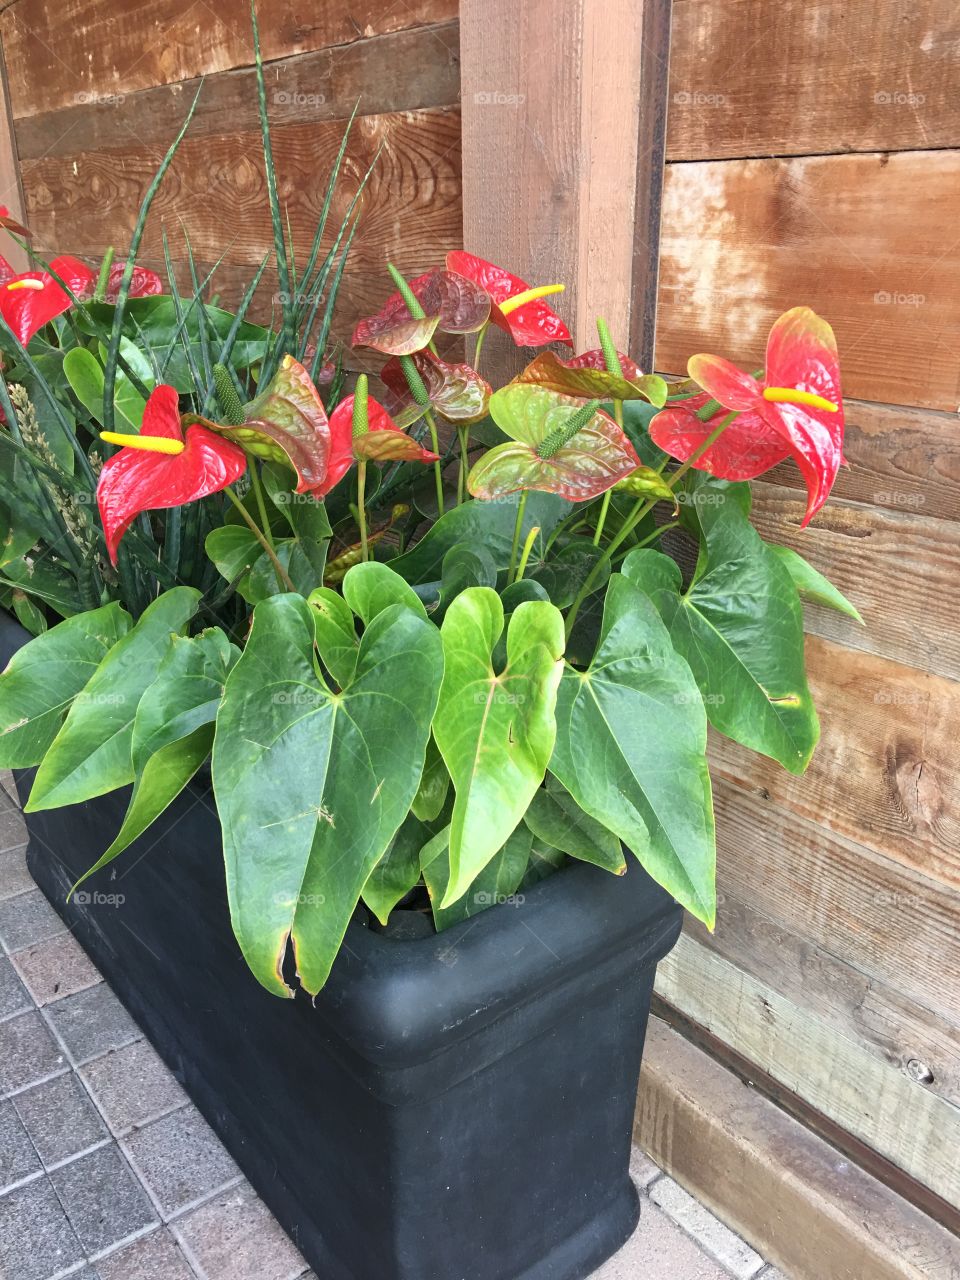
(458, 1107)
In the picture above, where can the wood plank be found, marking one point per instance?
(550, 148)
(411, 211)
(116, 47)
(812, 76)
(901, 569)
(11, 194)
(404, 71)
(860, 238)
(879, 1018)
(907, 460)
(783, 1188)
(895, 1115)
(885, 920)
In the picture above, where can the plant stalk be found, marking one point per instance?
(282, 576)
(518, 526)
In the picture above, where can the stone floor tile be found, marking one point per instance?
(55, 968)
(9, 787)
(235, 1237)
(102, 1199)
(13, 832)
(18, 1159)
(13, 994)
(14, 876)
(36, 1239)
(60, 1118)
(132, 1086)
(26, 919)
(180, 1159)
(642, 1169)
(92, 1023)
(28, 1052)
(711, 1234)
(154, 1257)
(659, 1250)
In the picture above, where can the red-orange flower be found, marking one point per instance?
(382, 442)
(530, 324)
(32, 299)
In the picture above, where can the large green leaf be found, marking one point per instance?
(173, 730)
(312, 785)
(85, 374)
(240, 558)
(434, 785)
(337, 641)
(92, 752)
(495, 729)
(555, 818)
(371, 588)
(497, 882)
(43, 678)
(740, 627)
(811, 584)
(398, 871)
(631, 743)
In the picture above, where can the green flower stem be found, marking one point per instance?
(651, 537)
(103, 279)
(361, 425)
(602, 519)
(422, 397)
(521, 507)
(435, 446)
(361, 508)
(257, 488)
(282, 576)
(612, 361)
(640, 508)
(463, 435)
(481, 335)
(409, 297)
(527, 548)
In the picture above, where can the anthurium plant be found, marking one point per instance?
(433, 639)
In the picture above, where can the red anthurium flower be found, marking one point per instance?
(143, 284)
(450, 302)
(516, 308)
(382, 442)
(164, 466)
(456, 391)
(32, 299)
(7, 272)
(798, 401)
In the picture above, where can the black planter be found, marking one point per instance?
(457, 1107)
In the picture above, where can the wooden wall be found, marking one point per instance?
(814, 157)
(99, 88)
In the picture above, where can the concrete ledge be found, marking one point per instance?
(796, 1199)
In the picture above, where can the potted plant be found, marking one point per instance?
(432, 664)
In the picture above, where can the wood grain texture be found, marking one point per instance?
(750, 78)
(550, 128)
(866, 240)
(900, 568)
(65, 52)
(215, 189)
(11, 194)
(405, 71)
(878, 1017)
(902, 459)
(897, 1116)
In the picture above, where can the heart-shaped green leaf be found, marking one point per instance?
(495, 729)
(312, 785)
(740, 627)
(548, 370)
(42, 679)
(92, 752)
(555, 818)
(498, 880)
(337, 641)
(371, 588)
(631, 743)
(398, 871)
(587, 465)
(434, 784)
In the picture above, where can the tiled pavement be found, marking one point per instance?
(107, 1172)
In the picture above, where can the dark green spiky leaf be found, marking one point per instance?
(593, 461)
(47, 579)
(631, 743)
(27, 613)
(43, 678)
(92, 752)
(740, 627)
(548, 370)
(398, 871)
(311, 785)
(495, 729)
(555, 818)
(811, 584)
(496, 883)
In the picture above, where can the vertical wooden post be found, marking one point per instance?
(11, 192)
(560, 149)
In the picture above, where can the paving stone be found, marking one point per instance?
(92, 1023)
(13, 832)
(36, 1240)
(235, 1237)
(713, 1236)
(13, 994)
(132, 1086)
(55, 968)
(180, 1159)
(14, 876)
(642, 1169)
(155, 1257)
(102, 1199)
(659, 1250)
(28, 1052)
(18, 1159)
(26, 919)
(60, 1118)
(8, 785)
